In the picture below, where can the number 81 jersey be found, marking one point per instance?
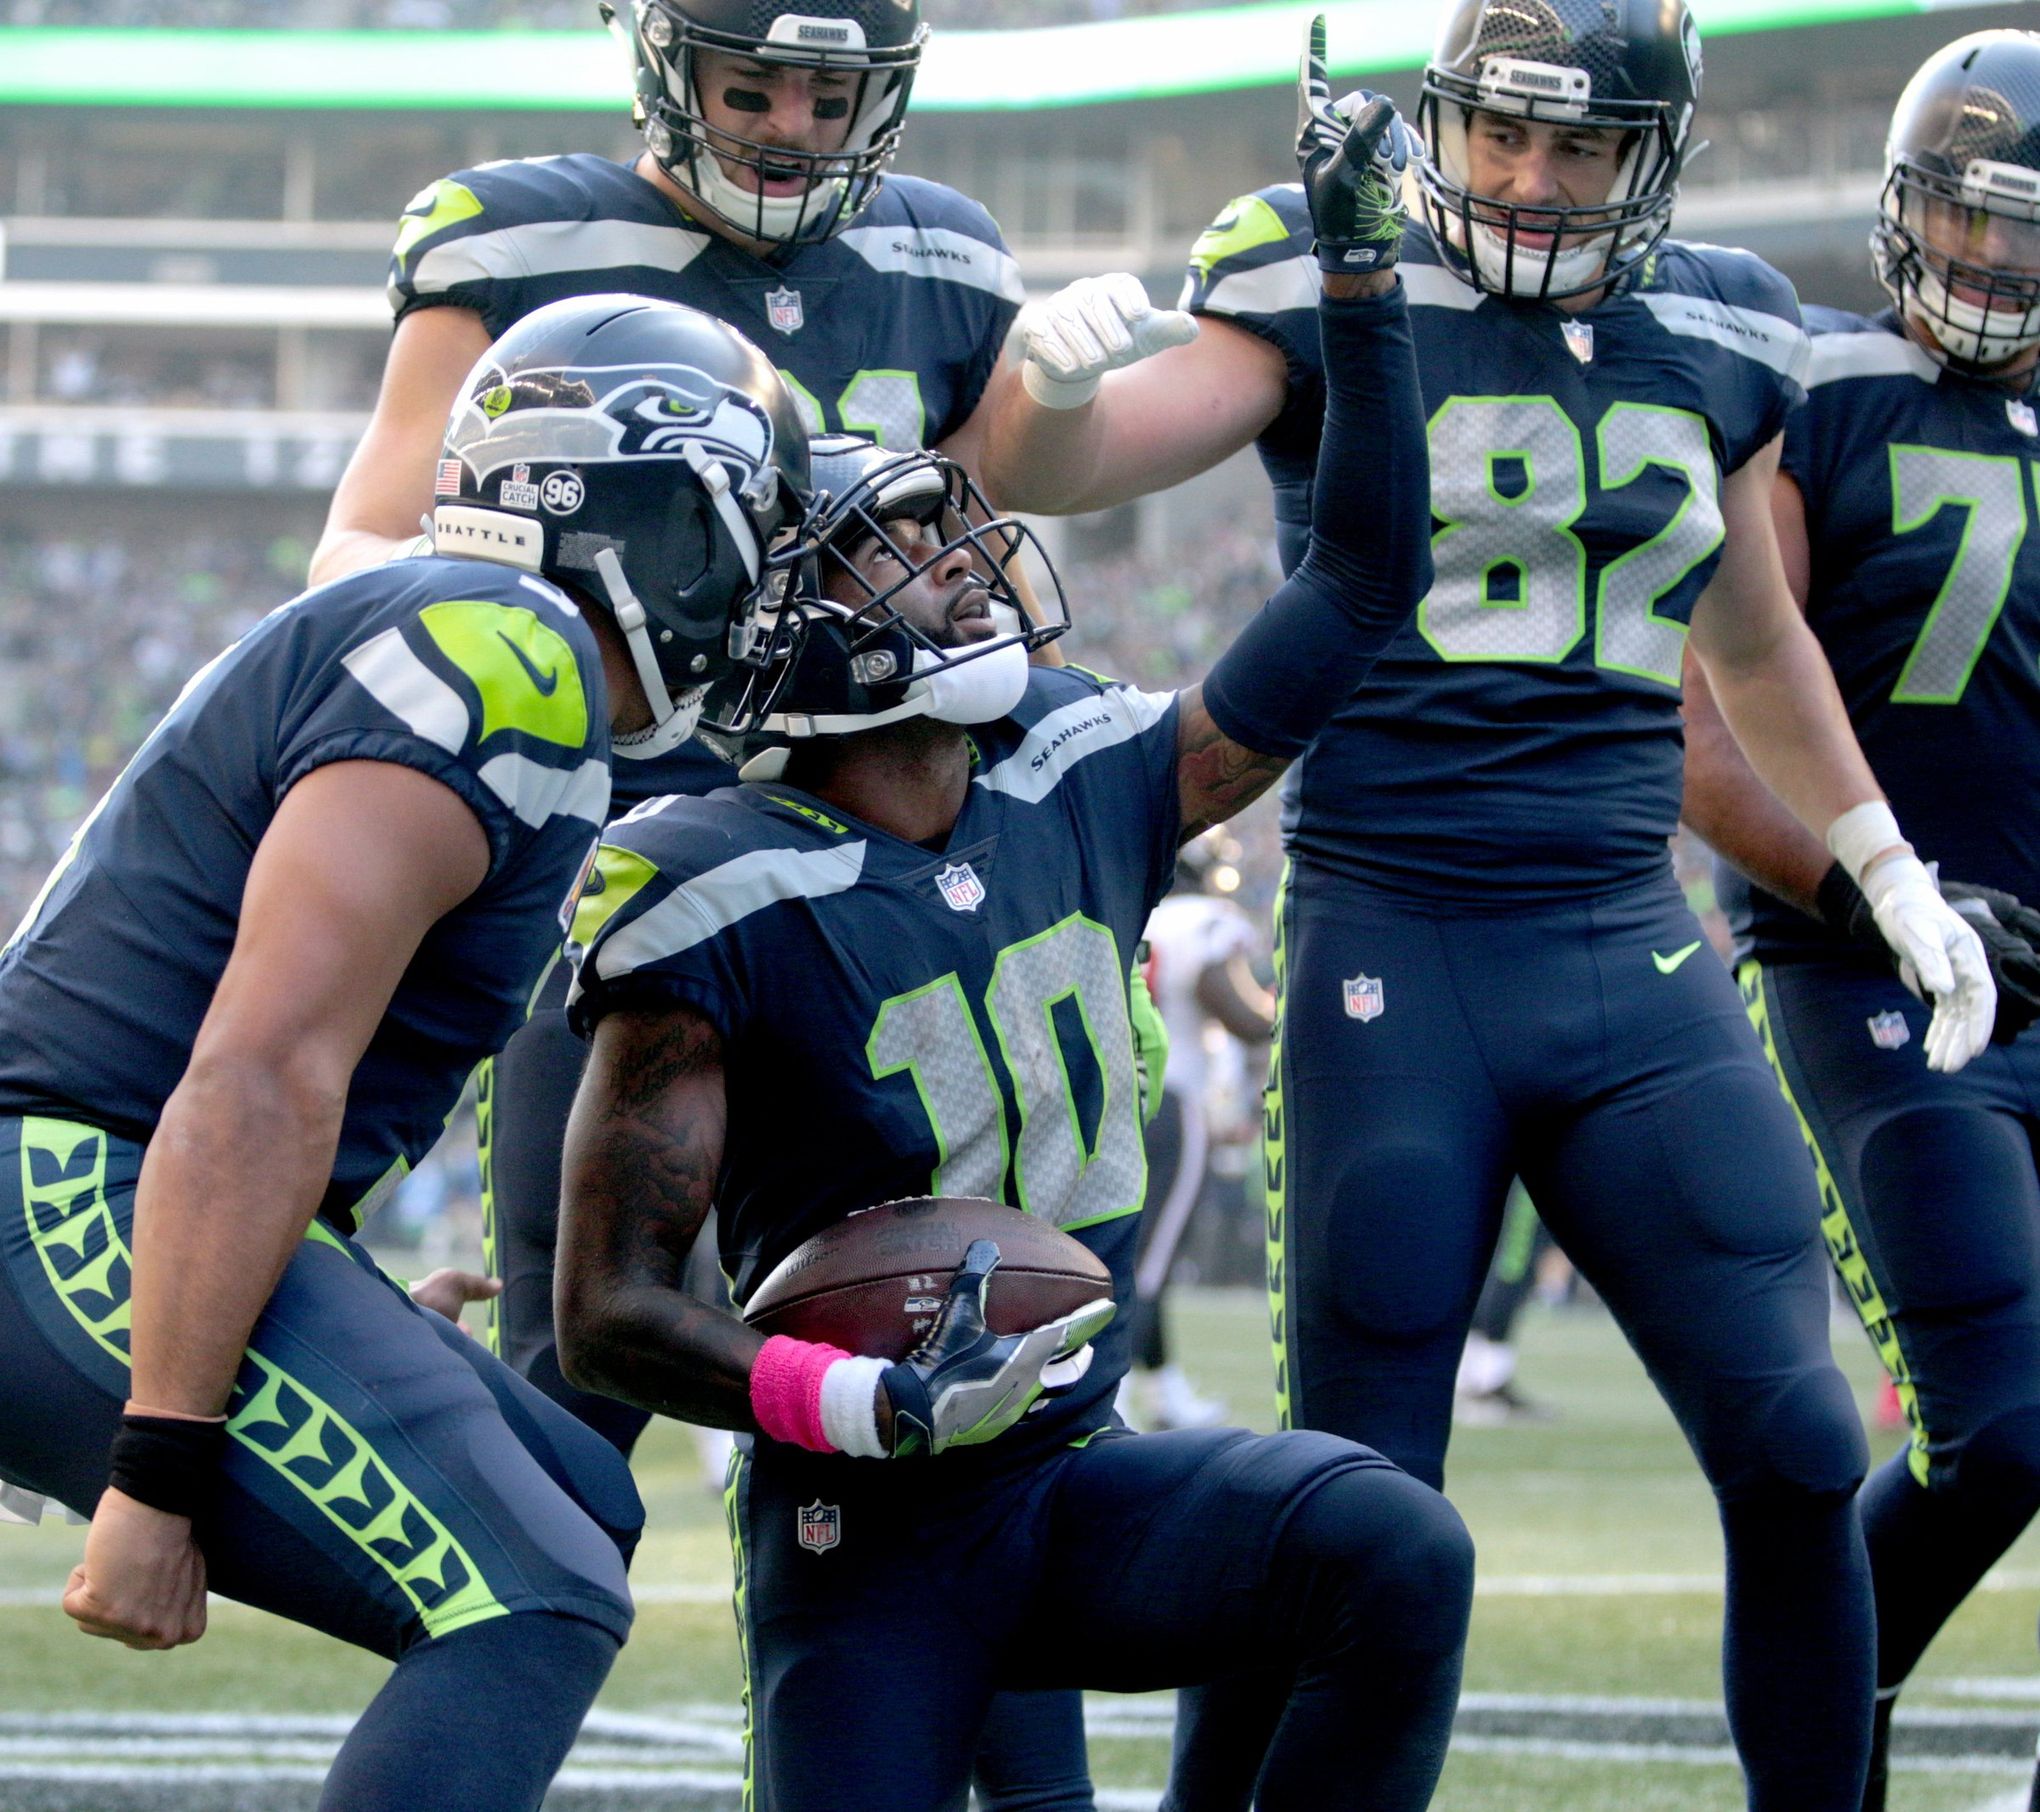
(1922, 495)
(902, 1021)
(1530, 709)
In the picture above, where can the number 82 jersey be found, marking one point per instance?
(1530, 708)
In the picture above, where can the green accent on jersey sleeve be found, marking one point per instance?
(525, 672)
(445, 203)
(614, 878)
(1242, 226)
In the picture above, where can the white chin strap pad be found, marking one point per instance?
(1524, 274)
(976, 692)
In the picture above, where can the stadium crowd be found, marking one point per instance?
(84, 674)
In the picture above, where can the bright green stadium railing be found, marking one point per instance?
(976, 71)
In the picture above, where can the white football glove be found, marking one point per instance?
(1940, 957)
(1087, 328)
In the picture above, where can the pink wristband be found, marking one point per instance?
(786, 1390)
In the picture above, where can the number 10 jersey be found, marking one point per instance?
(902, 1021)
(1521, 737)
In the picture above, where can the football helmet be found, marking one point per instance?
(644, 454)
(876, 41)
(828, 649)
(1957, 240)
(1627, 66)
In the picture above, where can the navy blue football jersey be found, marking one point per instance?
(1924, 590)
(1521, 737)
(889, 329)
(486, 679)
(898, 1021)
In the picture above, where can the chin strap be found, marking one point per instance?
(979, 691)
(975, 692)
(673, 720)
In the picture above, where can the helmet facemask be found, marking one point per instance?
(646, 456)
(833, 649)
(835, 185)
(1589, 248)
(1979, 313)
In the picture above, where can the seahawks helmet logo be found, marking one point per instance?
(568, 417)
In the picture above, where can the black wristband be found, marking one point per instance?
(1839, 900)
(167, 1462)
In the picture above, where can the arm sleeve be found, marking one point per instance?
(1369, 562)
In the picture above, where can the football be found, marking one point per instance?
(874, 1283)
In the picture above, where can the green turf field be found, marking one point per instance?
(1591, 1681)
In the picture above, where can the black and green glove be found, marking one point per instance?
(1352, 155)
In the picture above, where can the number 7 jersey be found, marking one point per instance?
(1521, 736)
(1922, 494)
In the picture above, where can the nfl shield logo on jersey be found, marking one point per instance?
(821, 1526)
(783, 309)
(1579, 340)
(2020, 414)
(1363, 997)
(1888, 1030)
(961, 887)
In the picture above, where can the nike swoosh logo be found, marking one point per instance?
(546, 683)
(1666, 964)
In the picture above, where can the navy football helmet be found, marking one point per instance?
(876, 42)
(1957, 241)
(829, 651)
(1630, 67)
(643, 453)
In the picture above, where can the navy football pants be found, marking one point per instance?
(881, 1607)
(386, 1480)
(1599, 1051)
(1034, 1757)
(1931, 1207)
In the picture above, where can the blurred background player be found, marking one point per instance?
(248, 999)
(1198, 970)
(764, 197)
(1904, 506)
(911, 933)
(1485, 1393)
(1487, 969)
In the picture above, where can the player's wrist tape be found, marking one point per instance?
(1862, 832)
(170, 1463)
(816, 1396)
(1053, 392)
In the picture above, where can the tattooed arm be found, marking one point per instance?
(638, 1178)
(1215, 776)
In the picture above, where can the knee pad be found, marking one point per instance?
(2002, 1458)
(1389, 1560)
(1806, 1438)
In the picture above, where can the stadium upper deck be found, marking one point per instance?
(194, 226)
